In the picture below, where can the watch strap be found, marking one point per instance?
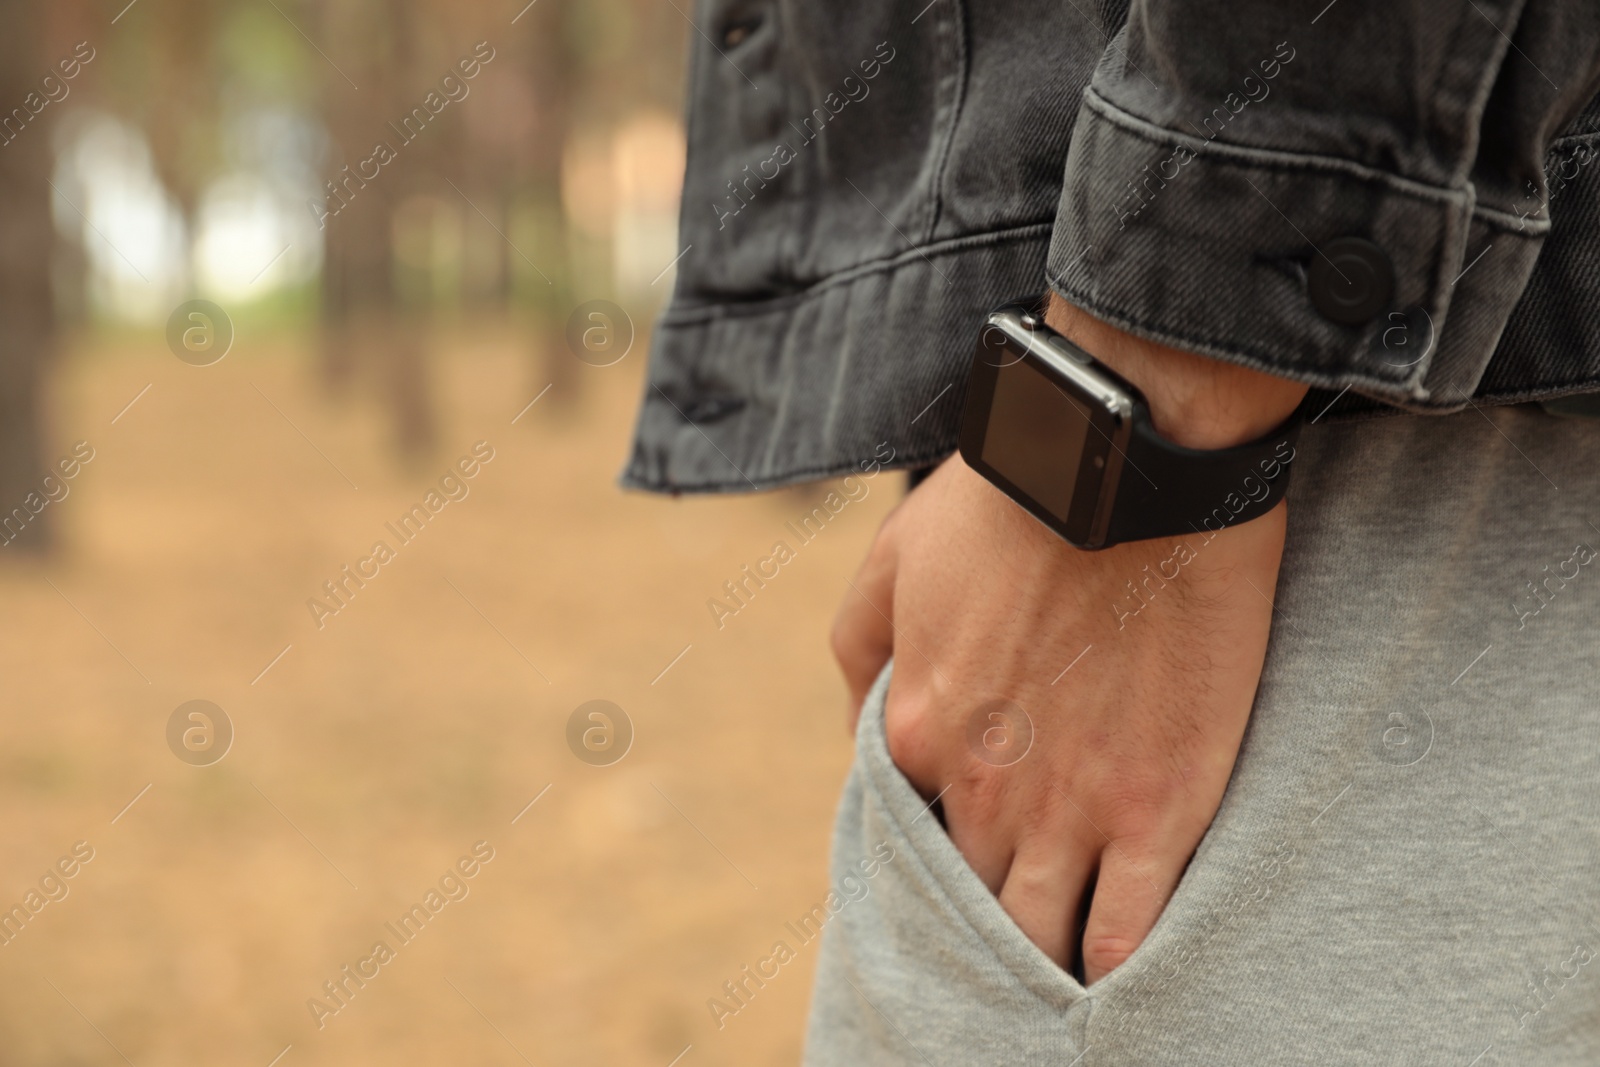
(1166, 490)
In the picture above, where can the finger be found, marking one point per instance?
(979, 836)
(1043, 891)
(863, 634)
(1129, 896)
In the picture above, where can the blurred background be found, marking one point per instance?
(282, 281)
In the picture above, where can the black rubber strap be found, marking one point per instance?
(1166, 490)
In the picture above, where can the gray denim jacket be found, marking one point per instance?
(865, 180)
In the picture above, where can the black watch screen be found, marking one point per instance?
(1042, 425)
(1071, 441)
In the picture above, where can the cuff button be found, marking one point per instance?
(1350, 280)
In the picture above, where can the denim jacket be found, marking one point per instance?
(866, 179)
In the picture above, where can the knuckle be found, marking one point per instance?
(1032, 880)
(1138, 790)
(986, 789)
(1049, 816)
(855, 650)
(1129, 807)
(1103, 953)
(907, 727)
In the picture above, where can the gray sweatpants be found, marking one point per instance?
(1406, 866)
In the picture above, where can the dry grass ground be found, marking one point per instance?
(378, 750)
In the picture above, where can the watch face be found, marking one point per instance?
(1044, 423)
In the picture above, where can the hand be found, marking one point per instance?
(1133, 746)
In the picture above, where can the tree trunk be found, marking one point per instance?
(365, 333)
(26, 319)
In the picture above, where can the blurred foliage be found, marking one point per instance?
(250, 110)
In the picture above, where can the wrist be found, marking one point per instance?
(1194, 401)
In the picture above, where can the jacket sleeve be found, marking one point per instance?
(1346, 194)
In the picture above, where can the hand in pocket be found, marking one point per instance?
(1065, 790)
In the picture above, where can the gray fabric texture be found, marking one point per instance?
(1406, 865)
(866, 181)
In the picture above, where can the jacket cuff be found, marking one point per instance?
(1214, 248)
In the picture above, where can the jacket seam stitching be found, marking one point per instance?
(631, 480)
(1271, 159)
(1505, 220)
(1304, 160)
(1235, 352)
(1238, 155)
(957, 105)
(693, 314)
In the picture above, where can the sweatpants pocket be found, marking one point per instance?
(920, 964)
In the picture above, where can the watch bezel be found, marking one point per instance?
(1018, 332)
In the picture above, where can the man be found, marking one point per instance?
(1302, 787)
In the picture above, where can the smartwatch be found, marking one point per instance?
(1071, 441)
